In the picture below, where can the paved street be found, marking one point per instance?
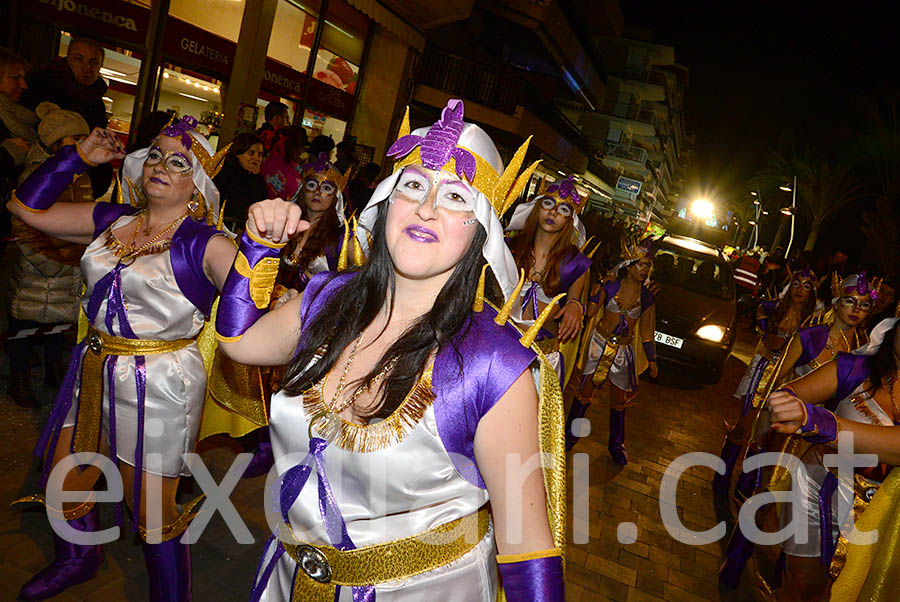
(671, 418)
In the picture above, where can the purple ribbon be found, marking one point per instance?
(41, 189)
(538, 579)
(292, 483)
(826, 544)
(821, 425)
(754, 383)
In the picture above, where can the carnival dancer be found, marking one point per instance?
(317, 249)
(813, 346)
(546, 248)
(859, 389)
(406, 392)
(136, 384)
(776, 323)
(610, 353)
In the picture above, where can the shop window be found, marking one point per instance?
(221, 17)
(184, 92)
(322, 124)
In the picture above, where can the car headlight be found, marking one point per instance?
(710, 332)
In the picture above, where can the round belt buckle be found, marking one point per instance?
(314, 564)
(869, 494)
(95, 344)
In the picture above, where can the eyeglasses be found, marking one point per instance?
(564, 209)
(807, 286)
(174, 161)
(325, 186)
(854, 303)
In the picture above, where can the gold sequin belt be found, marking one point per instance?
(90, 401)
(614, 339)
(322, 568)
(864, 490)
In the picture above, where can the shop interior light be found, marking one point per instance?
(107, 99)
(119, 79)
(105, 71)
(187, 81)
(165, 75)
(216, 89)
(194, 97)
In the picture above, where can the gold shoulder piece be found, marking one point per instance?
(342, 258)
(503, 315)
(261, 277)
(530, 335)
(478, 305)
(518, 187)
(585, 245)
(220, 223)
(505, 183)
(120, 195)
(594, 250)
(359, 258)
(217, 161)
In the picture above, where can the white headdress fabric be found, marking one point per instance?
(523, 210)
(877, 337)
(494, 250)
(133, 169)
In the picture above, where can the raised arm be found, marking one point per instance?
(34, 202)
(246, 333)
(528, 560)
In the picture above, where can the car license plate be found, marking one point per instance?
(667, 339)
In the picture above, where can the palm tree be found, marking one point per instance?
(822, 186)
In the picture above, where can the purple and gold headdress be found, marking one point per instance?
(854, 284)
(564, 191)
(325, 168)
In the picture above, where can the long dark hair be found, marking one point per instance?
(325, 234)
(242, 143)
(882, 365)
(349, 312)
(523, 244)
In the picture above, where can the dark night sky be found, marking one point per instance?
(759, 68)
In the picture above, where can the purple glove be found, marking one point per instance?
(533, 577)
(248, 288)
(41, 189)
(820, 425)
(649, 350)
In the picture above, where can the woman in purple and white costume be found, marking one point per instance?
(549, 234)
(136, 384)
(859, 389)
(610, 353)
(406, 391)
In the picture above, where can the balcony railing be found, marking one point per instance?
(470, 80)
(632, 153)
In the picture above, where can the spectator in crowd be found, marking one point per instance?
(745, 280)
(283, 166)
(45, 281)
(346, 157)
(74, 83)
(277, 117)
(772, 274)
(239, 182)
(321, 144)
(17, 129)
(361, 187)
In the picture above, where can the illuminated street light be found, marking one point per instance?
(756, 201)
(752, 193)
(785, 187)
(765, 213)
(786, 211)
(702, 208)
(752, 223)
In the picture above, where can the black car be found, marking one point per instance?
(696, 308)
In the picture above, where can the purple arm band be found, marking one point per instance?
(41, 189)
(821, 426)
(649, 350)
(243, 299)
(535, 580)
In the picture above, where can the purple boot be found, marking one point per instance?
(617, 437)
(263, 459)
(169, 569)
(577, 410)
(737, 553)
(74, 564)
(730, 453)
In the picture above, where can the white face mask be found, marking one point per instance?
(452, 194)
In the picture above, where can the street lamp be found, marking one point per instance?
(702, 208)
(786, 211)
(785, 187)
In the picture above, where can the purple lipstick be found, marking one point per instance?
(421, 234)
(158, 181)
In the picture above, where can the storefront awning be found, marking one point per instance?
(391, 22)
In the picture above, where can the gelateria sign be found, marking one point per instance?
(188, 45)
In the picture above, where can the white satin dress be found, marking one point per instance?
(385, 494)
(176, 381)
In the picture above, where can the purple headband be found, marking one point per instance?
(439, 144)
(565, 189)
(179, 130)
(319, 166)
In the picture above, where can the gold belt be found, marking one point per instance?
(615, 339)
(863, 492)
(548, 346)
(90, 401)
(322, 568)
